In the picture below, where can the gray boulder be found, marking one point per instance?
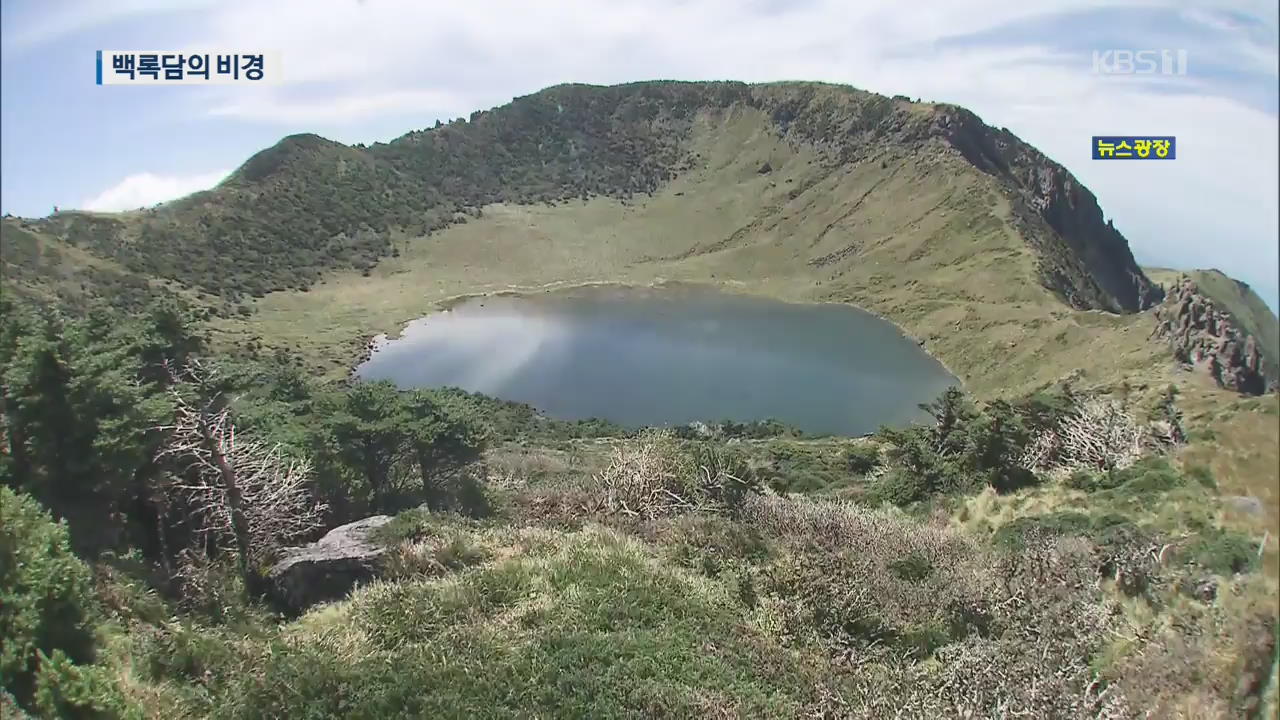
(1247, 504)
(328, 568)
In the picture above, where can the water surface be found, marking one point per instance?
(670, 356)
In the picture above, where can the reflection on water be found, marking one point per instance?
(670, 356)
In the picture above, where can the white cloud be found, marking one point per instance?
(147, 189)
(268, 107)
(67, 17)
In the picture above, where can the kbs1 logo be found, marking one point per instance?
(1139, 62)
(1134, 147)
(167, 67)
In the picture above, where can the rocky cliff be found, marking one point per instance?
(1081, 256)
(1207, 338)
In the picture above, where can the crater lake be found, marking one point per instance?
(670, 356)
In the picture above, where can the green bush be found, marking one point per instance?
(914, 567)
(900, 487)
(1148, 475)
(1107, 530)
(1082, 479)
(963, 450)
(862, 459)
(1225, 552)
(710, 543)
(731, 477)
(1013, 534)
(67, 690)
(185, 651)
(46, 601)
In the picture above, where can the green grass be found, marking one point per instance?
(593, 627)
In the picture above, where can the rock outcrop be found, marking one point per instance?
(328, 568)
(1206, 338)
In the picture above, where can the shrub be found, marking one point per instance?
(1148, 475)
(1082, 479)
(914, 566)
(1013, 535)
(899, 487)
(710, 543)
(964, 450)
(1096, 433)
(653, 476)
(469, 496)
(45, 594)
(184, 651)
(725, 472)
(67, 690)
(9, 708)
(862, 459)
(1225, 552)
(865, 582)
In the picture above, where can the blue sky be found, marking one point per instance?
(370, 70)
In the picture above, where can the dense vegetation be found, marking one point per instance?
(46, 270)
(579, 569)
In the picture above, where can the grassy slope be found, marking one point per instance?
(48, 269)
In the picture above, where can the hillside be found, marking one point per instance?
(308, 204)
(47, 269)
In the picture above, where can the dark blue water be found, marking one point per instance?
(670, 356)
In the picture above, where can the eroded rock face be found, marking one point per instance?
(1207, 339)
(328, 568)
(1081, 256)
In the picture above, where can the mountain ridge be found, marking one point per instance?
(307, 205)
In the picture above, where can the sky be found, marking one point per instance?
(361, 71)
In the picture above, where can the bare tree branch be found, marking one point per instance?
(245, 494)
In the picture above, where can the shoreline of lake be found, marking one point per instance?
(703, 350)
(372, 343)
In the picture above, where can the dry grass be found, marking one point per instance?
(1238, 439)
(518, 465)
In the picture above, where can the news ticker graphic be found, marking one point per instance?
(167, 67)
(1134, 147)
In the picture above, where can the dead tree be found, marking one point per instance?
(1099, 435)
(1102, 435)
(243, 494)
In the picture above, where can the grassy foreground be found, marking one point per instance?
(579, 569)
(764, 606)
